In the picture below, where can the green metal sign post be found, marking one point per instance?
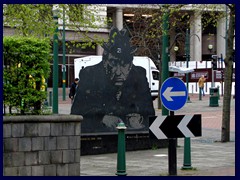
(187, 146)
(187, 165)
(64, 60)
(172, 156)
(55, 65)
(187, 50)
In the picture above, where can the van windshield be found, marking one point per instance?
(155, 75)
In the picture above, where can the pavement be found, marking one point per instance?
(209, 156)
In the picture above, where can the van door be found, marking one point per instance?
(154, 83)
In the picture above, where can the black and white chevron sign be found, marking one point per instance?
(177, 126)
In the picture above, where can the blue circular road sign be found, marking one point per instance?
(173, 94)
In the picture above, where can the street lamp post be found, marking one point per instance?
(187, 141)
(172, 142)
(210, 47)
(64, 60)
(165, 51)
(55, 64)
(187, 52)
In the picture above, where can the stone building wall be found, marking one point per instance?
(41, 145)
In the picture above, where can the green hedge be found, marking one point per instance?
(26, 66)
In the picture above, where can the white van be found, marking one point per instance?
(152, 72)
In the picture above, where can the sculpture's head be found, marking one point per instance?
(118, 56)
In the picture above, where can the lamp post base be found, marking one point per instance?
(187, 167)
(121, 173)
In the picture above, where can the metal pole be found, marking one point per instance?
(187, 154)
(172, 151)
(187, 44)
(50, 98)
(165, 53)
(212, 84)
(55, 65)
(121, 159)
(46, 89)
(160, 79)
(172, 170)
(64, 60)
(187, 146)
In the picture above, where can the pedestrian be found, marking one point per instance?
(201, 82)
(73, 89)
(114, 90)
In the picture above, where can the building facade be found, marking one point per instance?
(203, 42)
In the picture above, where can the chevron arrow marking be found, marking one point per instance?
(155, 127)
(182, 126)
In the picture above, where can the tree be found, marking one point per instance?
(37, 20)
(146, 34)
(146, 27)
(225, 136)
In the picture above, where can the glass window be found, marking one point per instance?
(155, 75)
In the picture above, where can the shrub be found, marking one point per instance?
(26, 66)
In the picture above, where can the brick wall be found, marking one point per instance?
(41, 145)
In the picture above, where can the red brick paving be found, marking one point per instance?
(213, 119)
(210, 119)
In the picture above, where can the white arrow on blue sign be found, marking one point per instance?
(173, 94)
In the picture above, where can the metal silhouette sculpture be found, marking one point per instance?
(114, 90)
